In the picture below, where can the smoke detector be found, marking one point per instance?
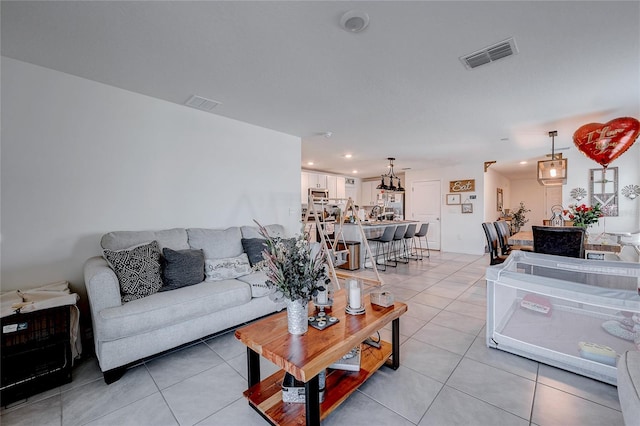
(354, 21)
(489, 54)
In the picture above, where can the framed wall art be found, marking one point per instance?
(499, 200)
(604, 189)
(467, 208)
(453, 199)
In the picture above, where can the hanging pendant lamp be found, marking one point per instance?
(553, 172)
(391, 175)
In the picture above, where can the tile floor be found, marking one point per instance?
(447, 375)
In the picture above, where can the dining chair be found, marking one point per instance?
(559, 240)
(492, 243)
(504, 232)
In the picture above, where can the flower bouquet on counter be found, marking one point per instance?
(583, 215)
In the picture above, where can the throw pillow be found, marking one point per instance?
(254, 247)
(227, 268)
(182, 268)
(137, 269)
(257, 281)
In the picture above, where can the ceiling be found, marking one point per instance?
(395, 89)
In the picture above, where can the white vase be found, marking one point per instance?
(297, 316)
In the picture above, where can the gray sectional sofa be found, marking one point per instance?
(128, 329)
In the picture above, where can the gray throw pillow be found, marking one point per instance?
(254, 248)
(182, 268)
(137, 269)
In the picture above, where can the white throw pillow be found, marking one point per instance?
(257, 281)
(226, 268)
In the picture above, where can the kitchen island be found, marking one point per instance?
(372, 229)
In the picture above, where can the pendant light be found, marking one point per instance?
(553, 172)
(391, 176)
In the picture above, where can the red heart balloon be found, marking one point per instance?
(603, 143)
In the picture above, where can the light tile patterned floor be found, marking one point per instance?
(447, 375)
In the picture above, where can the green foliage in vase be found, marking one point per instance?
(518, 218)
(292, 270)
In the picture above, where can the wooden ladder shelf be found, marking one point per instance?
(334, 250)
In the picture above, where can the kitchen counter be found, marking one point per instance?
(372, 229)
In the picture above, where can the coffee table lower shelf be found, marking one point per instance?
(266, 396)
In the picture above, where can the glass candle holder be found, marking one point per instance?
(355, 297)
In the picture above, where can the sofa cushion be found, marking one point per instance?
(182, 268)
(227, 268)
(137, 269)
(170, 307)
(258, 283)
(274, 230)
(254, 247)
(216, 243)
(175, 239)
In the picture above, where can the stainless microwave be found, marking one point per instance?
(318, 193)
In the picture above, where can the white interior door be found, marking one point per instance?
(425, 203)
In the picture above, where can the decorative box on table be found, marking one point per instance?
(576, 314)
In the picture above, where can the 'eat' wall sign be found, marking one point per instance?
(463, 185)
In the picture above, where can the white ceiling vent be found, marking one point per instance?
(489, 54)
(199, 102)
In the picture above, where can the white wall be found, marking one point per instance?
(80, 158)
(531, 193)
(460, 233)
(492, 181)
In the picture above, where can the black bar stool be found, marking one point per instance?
(408, 235)
(422, 233)
(385, 239)
(398, 238)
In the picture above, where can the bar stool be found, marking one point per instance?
(398, 238)
(422, 233)
(385, 238)
(411, 232)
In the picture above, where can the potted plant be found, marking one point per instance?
(294, 274)
(518, 218)
(583, 215)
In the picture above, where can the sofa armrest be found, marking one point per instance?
(103, 288)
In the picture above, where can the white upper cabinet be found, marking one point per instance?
(340, 187)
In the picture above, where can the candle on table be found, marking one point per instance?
(354, 295)
(321, 298)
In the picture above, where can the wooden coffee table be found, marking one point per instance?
(306, 356)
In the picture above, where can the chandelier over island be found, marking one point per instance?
(391, 176)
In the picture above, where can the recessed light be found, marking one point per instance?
(310, 163)
(523, 162)
(355, 171)
(504, 139)
(347, 156)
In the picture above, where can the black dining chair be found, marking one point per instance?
(504, 232)
(559, 240)
(492, 244)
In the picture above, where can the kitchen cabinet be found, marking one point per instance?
(335, 185)
(340, 187)
(369, 193)
(317, 180)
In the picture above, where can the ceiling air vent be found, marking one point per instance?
(489, 54)
(199, 102)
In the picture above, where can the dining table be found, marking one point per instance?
(525, 238)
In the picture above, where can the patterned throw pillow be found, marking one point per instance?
(137, 269)
(227, 268)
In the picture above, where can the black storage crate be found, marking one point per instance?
(36, 352)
